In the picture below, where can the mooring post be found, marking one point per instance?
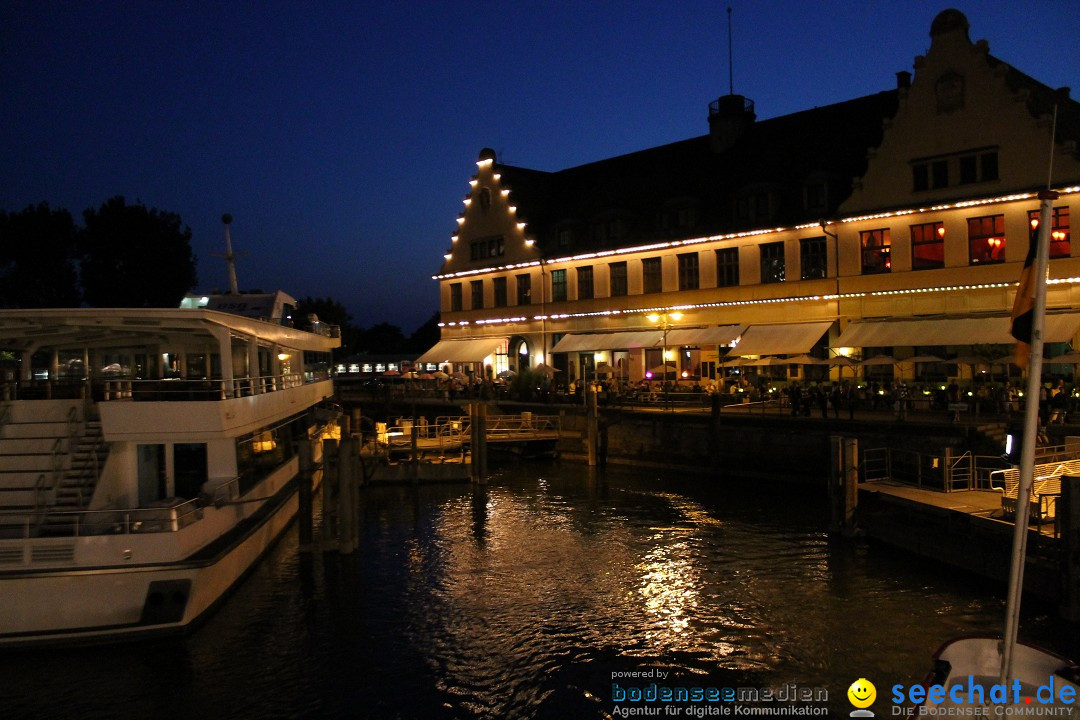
(346, 495)
(844, 484)
(307, 465)
(480, 451)
(1068, 519)
(414, 456)
(592, 424)
(331, 488)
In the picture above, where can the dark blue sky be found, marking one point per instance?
(341, 136)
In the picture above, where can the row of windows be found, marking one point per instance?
(986, 245)
(961, 169)
(757, 207)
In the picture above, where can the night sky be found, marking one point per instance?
(341, 136)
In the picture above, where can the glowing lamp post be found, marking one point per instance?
(665, 321)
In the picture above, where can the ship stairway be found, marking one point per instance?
(50, 461)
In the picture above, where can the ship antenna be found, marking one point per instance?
(230, 258)
(730, 71)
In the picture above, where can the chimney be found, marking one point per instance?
(903, 80)
(730, 117)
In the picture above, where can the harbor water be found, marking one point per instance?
(540, 596)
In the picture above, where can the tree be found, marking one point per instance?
(332, 312)
(426, 335)
(383, 339)
(37, 258)
(131, 256)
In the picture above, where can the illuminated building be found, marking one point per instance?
(830, 231)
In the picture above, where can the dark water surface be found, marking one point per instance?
(522, 599)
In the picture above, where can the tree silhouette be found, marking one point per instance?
(332, 312)
(37, 258)
(131, 256)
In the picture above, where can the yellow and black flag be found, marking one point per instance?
(1023, 310)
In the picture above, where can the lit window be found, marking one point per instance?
(927, 246)
(986, 239)
(1059, 231)
(876, 248)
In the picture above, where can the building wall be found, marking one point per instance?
(961, 102)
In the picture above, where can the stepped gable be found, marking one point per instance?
(780, 155)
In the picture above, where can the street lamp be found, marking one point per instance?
(665, 321)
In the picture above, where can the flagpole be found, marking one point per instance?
(1031, 420)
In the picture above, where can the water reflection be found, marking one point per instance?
(520, 599)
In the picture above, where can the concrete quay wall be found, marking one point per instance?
(746, 445)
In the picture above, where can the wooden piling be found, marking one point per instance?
(306, 511)
(330, 491)
(1068, 519)
(478, 441)
(844, 484)
(347, 499)
(592, 418)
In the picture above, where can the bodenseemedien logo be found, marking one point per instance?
(862, 694)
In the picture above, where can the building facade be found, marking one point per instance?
(895, 223)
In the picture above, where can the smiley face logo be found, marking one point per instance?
(862, 693)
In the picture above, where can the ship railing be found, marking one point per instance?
(84, 523)
(178, 389)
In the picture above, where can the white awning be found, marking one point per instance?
(582, 342)
(782, 339)
(1060, 327)
(706, 336)
(451, 351)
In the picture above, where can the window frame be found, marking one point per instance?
(689, 271)
(875, 251)
(935, 231)
(585, 283)
(814, 257)
(994, 251)
(652, 275)
(772, 253)
(558, 285)
(727, 267)
(617, 279)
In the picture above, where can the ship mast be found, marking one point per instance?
(230, 258)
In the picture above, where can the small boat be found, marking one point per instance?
(967, 671)
(148, 458)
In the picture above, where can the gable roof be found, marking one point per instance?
(779, 156)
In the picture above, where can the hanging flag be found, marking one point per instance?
(1023, 310)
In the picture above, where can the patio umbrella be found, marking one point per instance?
(843, 361)
(767, 361)
(921, 360)
(733, 361)
(806, 360)
(879, 360)
(1070, 358)
(506, 374)
(546, 369)
(440, 375)
(661, 369)
(603, 368)
(391, 373)
(410, 375)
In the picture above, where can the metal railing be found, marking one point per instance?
(81, 523)
(164, 389)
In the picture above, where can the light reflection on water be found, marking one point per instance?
(521, 599)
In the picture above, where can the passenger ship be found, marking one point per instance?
(148, 458)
